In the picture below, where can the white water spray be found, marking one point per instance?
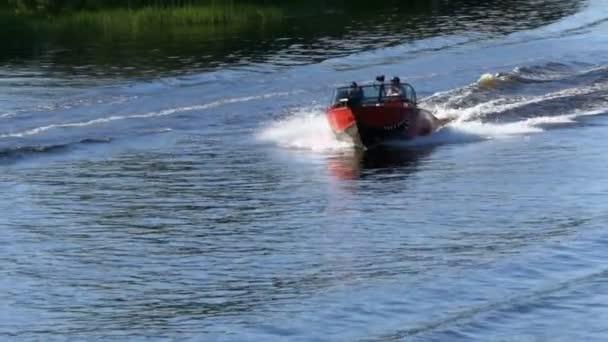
(306, 128)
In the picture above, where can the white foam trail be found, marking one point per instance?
(503, 104)
(166, 112)
(476, 112)
(564, 119)
(492, 130)
(307, 128)
(469, 130)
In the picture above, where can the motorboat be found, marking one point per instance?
(370, 114)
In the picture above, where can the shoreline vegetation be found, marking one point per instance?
(50, 20)
(54, 8)
(135, 32)
(34, 27)
(132, 21)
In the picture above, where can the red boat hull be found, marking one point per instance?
(369, 125)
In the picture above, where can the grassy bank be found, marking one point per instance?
(54, 7)
(179, 16)
(23, 35)
(133, 23)
(139, 36)
(126, 21)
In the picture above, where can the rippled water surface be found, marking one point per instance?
(203, 196)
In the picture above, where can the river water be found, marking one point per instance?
(202, 196)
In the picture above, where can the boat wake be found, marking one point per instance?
(525, 101)
(309, 130)
(153, 114)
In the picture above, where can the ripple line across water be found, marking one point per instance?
(509, 302)
(165, 112)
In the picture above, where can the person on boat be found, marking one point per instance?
(355, 93)
(395, 90)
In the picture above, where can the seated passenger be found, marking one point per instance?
(395, 90)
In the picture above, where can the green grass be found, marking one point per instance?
(181, 16)
(122, 32)
(125, 23)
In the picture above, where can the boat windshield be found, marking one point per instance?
(374, 93)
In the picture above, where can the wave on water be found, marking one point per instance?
(11, 154)
(525, 101)
(155, 114)
(7, 115)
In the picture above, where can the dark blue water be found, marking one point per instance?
(216, 205)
